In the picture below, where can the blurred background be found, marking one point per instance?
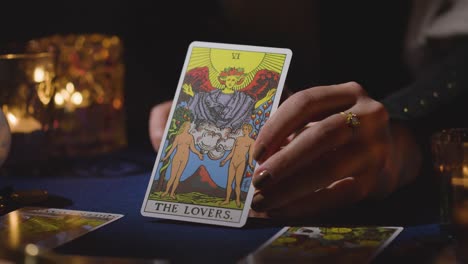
(155, 37)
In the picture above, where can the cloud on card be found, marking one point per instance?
(214, 141)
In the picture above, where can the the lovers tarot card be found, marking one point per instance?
(204, 168)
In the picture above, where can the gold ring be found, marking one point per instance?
(351, 119)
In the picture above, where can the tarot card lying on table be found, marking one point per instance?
(324, 245)
(204, 168)
(48, 228)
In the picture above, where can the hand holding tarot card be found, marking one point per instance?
(204, 168)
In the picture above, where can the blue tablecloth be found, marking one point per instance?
(117, 188)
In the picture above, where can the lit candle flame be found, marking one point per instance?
(12, 120)
(39, 74)
(22, 124)
(441, 168)
(65, 94)
(69, 98)
(117, 103)
(76, 98)
(58, 99)
(70, 87)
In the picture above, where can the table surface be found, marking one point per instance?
(117, 183)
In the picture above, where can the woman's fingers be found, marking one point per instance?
(157, 122)
(331, 167)
(305, 148)
(254, 214)
(341, 193)
(323, 153)
(301, 108)
(322, 137)
(334, 160)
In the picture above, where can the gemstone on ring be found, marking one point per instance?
(351, 119)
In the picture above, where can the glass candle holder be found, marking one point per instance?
(5, 139)
(450, 160)
(89, 115)
(26, 94)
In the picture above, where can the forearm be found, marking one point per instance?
(408, 156)
(194, 149)
(403, 161)
(229, 156)
(171, 149)
(251, 155)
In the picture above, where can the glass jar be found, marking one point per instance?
(89, 116)
(26, 93)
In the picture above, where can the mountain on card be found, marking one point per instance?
(201, 181)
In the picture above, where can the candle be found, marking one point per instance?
(22, 124)
(27, 93)
(70, 99)
(5, 138)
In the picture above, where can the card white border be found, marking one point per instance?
(69, 212)
(387, 242)
(275, 104)
(73, 212)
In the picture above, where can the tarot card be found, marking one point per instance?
(204, 168)
(324, 245)
(48, 228)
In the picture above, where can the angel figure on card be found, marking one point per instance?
(225, 89)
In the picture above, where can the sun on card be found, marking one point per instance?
(204, 168)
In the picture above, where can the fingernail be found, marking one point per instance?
(259, 151)
(261, 179)
(258, 202)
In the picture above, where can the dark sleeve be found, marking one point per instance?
(437, 98)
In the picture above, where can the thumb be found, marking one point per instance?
(157, 122)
